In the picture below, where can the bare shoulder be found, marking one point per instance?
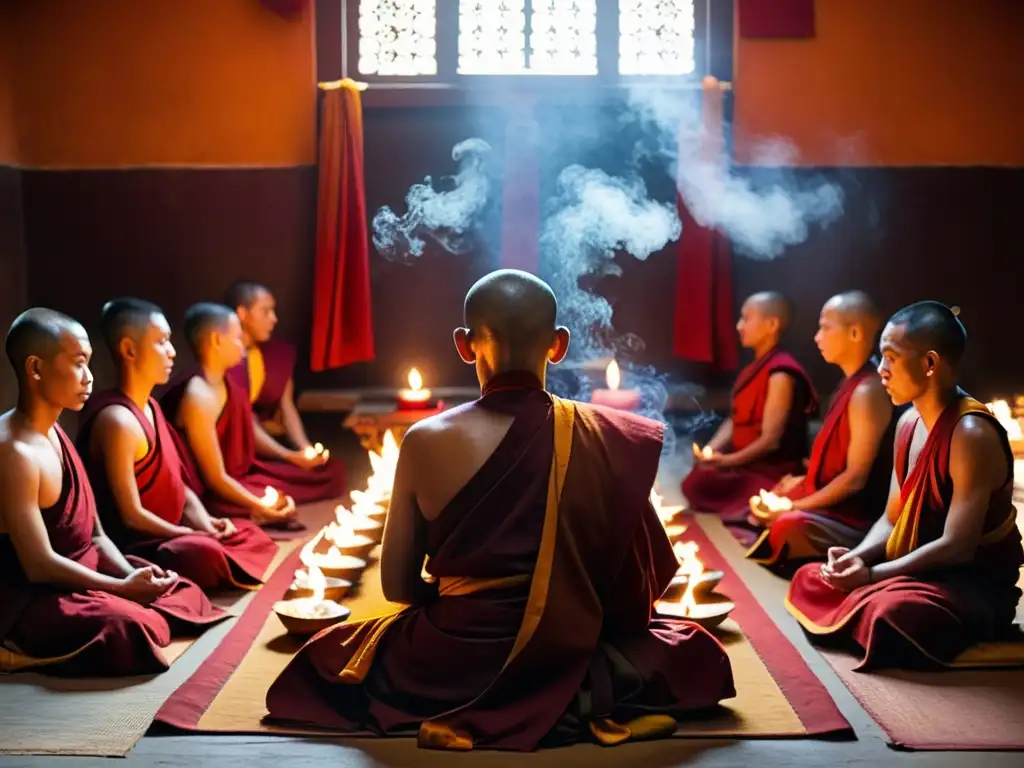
(977, 434)
(199, 397)
(19, 455)
(430, 430)
(870, 395)
(116, 419)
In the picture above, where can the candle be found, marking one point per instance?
(416, 397)
(767, 506)
(332, 562)
(703, 453)
(691, 569)
(312, 451)
(305, 615)
(613, 397)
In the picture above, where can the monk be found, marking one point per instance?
(937, 572)
(232, 464)
(70, 601)
(269, 364)
(545, 558)
(765, 437)
(847, 480)
(145, 504)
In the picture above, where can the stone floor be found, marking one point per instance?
(869, 750)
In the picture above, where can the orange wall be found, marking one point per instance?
(8, 132)
(122, 83)
(892, 83)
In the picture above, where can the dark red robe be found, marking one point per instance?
(708, 489)
(913, 622)
(238, 448)
(542, 631)
(278, 365)
(802, 535)
(239, 560)
(89, 633)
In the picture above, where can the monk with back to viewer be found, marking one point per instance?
(937, 572)
(847, 479)
(137, 472)
(546, 557)
(765, 436)
(70, 601)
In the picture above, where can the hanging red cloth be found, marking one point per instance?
(342, 315)
(704, 323)
(776, 18)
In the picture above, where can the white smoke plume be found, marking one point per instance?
(761, 222)
(450, 217)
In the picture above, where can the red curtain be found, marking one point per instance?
(704, 323)
(520, 204)
(776, 18)
(342, 316)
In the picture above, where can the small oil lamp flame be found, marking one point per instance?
(416, 396)
(692, 568)
(612, 375)
(415, 380)
(703, 453)
(312, 451)
(270, 497)
(1001, 410)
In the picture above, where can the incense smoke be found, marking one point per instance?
(761, 223)
(450, 216)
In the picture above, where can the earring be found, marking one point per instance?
(930, 372)
(35, 376)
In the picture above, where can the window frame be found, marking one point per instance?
(713, 33)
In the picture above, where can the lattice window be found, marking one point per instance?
(563, 37)
(396, 37)
(492, 37)
(656, 37)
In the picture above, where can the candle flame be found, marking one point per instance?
(382, 474)
(415, 380)
(691, 567)
(343, 528)
(612, 375)
(776, 503)
(1001, 410)
(270, 497)
(317, 583)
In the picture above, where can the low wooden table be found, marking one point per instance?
(370, 419)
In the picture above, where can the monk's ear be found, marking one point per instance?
(856, 333)
(462, 344)
(34, 367)
(931, 362)
(126, 349)
(560, 348)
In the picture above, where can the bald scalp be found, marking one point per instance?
(932, 326)
(205, 318)
(37, 332)
(857, 308)
(774, 304)
(516, 309)
(126, 318)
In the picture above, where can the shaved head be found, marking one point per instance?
(932, 326)
(205, 318)
(857, 308)
(243, 293)
(516, 309)
(38, 332)
(510, 324)
(774, 304)
(126, 318)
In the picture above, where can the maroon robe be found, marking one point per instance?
(908, 621)
(802, 535)
(88, 633)
(238, 448)
(541, 632)
(239, 560)
(278, 366)
(709, 489)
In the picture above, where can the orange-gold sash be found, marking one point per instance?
(257, 369)
(904, 537)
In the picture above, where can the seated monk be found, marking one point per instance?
(146, 507)
(765, 436)
(938, 571)
(234, 463)
(545, 558)
(847, 480)
(269, 363)
(70, 602)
